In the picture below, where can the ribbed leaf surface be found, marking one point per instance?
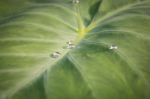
(111, 58)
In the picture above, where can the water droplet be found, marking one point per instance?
(69, 42)
(55, 54)
(113, 47)
(69, 45)
(76, 1)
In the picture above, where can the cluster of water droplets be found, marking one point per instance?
(69, 45)
(75, 1)
(113, 47)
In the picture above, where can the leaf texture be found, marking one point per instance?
(91, 70)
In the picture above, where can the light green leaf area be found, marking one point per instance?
(91, 70)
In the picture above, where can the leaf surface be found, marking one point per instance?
(91, 70)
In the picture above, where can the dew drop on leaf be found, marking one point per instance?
(76, 1)
(113, 47)
(69, 42)
(55, 54)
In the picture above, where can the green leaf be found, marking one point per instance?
(110, 59)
